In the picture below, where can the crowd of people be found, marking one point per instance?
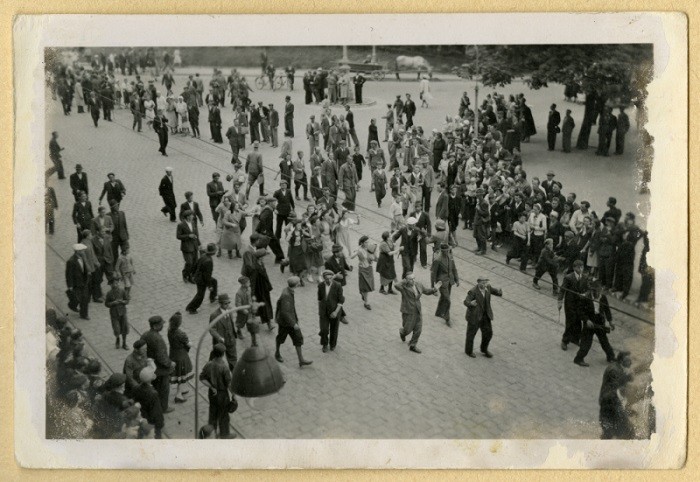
(473, 161)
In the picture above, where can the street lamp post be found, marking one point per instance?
(345, 59)
(253, 307)
(374, 54)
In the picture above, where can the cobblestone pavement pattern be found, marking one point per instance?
(372, 386)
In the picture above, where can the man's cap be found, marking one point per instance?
(569, 234)
(211, 248)
(328, 272)
(411, 221)
(554, 214)
(444, 247)
(224, 298)
(482, 278)
(219, 349)
(337, 248)
(115, 381)
(79, 247)
(78, 166)
(243, 279)
(440, 224)
(186, 213)
(284, 182)
(293, 281)
(168, 169)
(155, 320)
(113, 202)
(578, 263)
(256, 144)
(215, 175)
(139, 343)
(550, 173)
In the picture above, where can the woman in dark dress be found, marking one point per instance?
(386, 266)
(215, 123)
(297, 246)
(179, 354)
(528, 122)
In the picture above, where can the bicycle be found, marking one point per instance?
(262, 81)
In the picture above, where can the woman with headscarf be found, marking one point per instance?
(365, 275)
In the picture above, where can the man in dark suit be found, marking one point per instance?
(215, 192)
(265, 227)
(285, 205)
(157, 350)
(329, 170)
(202, 276)
(479, 315)
(409, 108)
(595, 310)
(444, 272)
(553, 122)
(160, 126)
(232, 134)
(274, 120)
(255, 125)
(411, 310)
(120, 232)
(113, 188)
(165, 189)
(409, 242)
(317, 184)
(573, 286)
(78, 181)
(341, 154)
(330, 306)
(288, 117)
(424, 225)
(441, 205)
(288, 322)
(82, 214)
(338, 264)
(188, 234)
(78, 281)
(190, 205)
(482, 219)
(55, 155)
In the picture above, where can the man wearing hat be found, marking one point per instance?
(78, 181)
(232, 135)
(160, 126)
(313, 133)
(166, 191)
(215, 192)
(157, 350)
(329, 171)
(289, 116)
(244, 297)
(285, 205)
(224, 331)
(330, 307)
(411, 310)
(78, 281)
(82, 214)
(409, 242)
(347, 181)
(575, 285)
(338, 265)
(274, 123)
(216, 376)
(134, 363)
(444, 273)
(547, 183)
(479, 315)
(265, 227)
(254, 269)
(147, 396)
(288, 322)
(254, 169)
(120, 231)
(553, 126)
(595, 312)
(192, 205)
(188, 234)
(114, 189)
(202, 277)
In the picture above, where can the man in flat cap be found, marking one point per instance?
(479, 315)
(224, 331)
(575, 285)
(288, 322)
(188, 234)
(166, 191)
(79, 181)
(157, 350)
(595, 312)
(78, 281)
(409, 242)
(330, 306)
(254, 169)
(202, 277)
(411, 310)
(216, 376)
(215, 192)
(444, 273)
(254, 269)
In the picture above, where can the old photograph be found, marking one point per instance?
(389, 240)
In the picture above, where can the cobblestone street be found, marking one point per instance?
(372, 386)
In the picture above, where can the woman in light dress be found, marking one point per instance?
(231, 231)
(344, 88)
(221, 210)
(342, 231)
(327, 226)
(365, 255)
(171, 113)
(424, 89)
(150, 107)
(183, 116)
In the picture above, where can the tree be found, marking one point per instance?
(615, 74)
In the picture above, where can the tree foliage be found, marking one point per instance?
(619, 71)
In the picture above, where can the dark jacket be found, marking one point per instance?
(571, 291)
(338, 267)
(285, 202)
(76, 277)
(195, 209)
(187, 244)
(265, 223)
(203, 269)
(79, 183)
(157, 350)
(120, 231)
(286, 312)
(82, 215)
(327, 305)
(483, 304)
(165, 189)
(215, 191)
(115, 192)
(409, 241)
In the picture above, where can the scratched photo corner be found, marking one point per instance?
(348, 242)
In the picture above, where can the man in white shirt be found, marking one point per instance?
(538, 228)
(576, 221)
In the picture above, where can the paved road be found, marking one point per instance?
(372, 386)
